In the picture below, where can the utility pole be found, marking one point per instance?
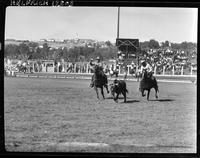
(118, 22)
(118, 29)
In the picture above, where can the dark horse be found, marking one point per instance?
(100, 80)
(147, 82)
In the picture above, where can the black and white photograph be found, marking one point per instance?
(100, 79)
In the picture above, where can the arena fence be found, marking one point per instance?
(84, 68)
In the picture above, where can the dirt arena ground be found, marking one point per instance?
(64, 115)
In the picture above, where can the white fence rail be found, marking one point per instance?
(84, 68)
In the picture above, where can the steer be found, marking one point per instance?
(118, 87)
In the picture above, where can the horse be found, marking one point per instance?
(147, 82)
(100, 80)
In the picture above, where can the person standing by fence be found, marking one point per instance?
(132, 68)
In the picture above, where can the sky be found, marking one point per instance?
(100, 23)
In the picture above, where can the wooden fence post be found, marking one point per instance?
(155, 70)
(163, 70)
(173, 70)
(128, 70)
(33, 67)
(181, 70)
(87, 71)
(75, 68)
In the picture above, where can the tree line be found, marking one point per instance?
(31, 50)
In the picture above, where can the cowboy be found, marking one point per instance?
(146, 66)
(93, 64)
(97, 63)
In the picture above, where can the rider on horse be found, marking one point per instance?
(148, 80)
(93, 65)
(146, 67)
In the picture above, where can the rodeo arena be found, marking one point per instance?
(53, 106)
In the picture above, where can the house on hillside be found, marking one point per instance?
(51, 40)
(43, 40)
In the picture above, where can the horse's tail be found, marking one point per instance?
(126, 91)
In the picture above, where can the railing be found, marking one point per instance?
(85, 69)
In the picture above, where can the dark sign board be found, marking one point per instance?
(128, 47)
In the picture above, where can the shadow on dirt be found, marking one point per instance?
(162, 100)
(132, 101)
(112, 97)
(108, 97)
(122, 98)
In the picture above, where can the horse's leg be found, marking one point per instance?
(102, 92)
(156, 90)
(113, 95)
(92, 81)
(155, 86)
(142, 92)
(138, 77)
(106, 86)
(96, 91)
(106, 83)
(124, 94)
(148, 94)
(116, 98)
